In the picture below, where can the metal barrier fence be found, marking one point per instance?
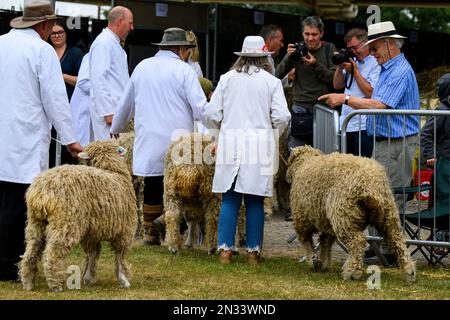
(326, 129)
(421, 221)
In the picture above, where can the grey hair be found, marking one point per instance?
(269, 31)
(243, 64)
(399, 43)
(314, 22)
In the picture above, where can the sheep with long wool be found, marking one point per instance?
(339, 195)
(77, 204)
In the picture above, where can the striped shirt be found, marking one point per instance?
(397, 89)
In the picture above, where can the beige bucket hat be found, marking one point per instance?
(35, 12)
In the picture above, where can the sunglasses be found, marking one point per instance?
(59, 33)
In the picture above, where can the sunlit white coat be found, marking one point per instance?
(33, 97)
(246, 108)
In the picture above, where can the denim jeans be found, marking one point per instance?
(231, 202)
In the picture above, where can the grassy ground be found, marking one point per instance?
(194, 275)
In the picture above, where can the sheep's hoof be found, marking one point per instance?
(410, 276)
(27, 286)
(174, 250)
(316, 264)
(351, 274)
(211, 251)
(56, 289)
(88, 281)
(124, 283)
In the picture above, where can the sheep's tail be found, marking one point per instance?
(38, 203)
(187, 182)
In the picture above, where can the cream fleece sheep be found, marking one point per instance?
(188, 175)
(71, 204)
(338, 195)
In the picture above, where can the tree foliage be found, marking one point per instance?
(424, 19)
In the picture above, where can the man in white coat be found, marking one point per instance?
(34, 97)
(81, 103)
(109, 70)
(165, 97)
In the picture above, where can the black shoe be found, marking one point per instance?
(288, 216)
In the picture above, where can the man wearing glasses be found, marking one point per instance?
(358, 78)
(395, 136)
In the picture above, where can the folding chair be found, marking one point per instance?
(433, 220)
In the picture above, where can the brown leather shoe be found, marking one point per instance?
(253, 257)
(225, 256)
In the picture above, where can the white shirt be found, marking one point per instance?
(80, 104)
(246, 108)
(165, 97)
(196, 66)
(109, 76)
(370, 70)
(33, 96)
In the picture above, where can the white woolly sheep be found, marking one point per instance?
(74, 204)
(188, 176)
(338, 195)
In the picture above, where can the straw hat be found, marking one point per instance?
(35, 12)
(381, 30)
(253, 46)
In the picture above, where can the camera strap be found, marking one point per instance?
(348, 85)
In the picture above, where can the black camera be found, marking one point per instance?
(344, 55)
(301, 50)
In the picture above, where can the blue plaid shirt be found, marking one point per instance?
(397, 89)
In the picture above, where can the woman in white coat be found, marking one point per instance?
(250, 109)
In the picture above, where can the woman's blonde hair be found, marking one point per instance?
(243, 64)
(194, 53)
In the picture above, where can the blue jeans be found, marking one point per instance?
(231, 202)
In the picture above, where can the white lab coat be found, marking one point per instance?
(33, 97)
(108, 72)
(247, 108)
(165, 97)
(80, 104)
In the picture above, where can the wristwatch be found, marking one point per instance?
(347, 97)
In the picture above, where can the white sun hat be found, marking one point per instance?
(253, 46)
(381, 30)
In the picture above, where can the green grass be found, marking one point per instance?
(157, 274)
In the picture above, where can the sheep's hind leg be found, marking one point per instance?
(121, 268)
(326, 241)
(191, 232)
(35, 239)
(353, 266)
(54, 255)
(92, 252)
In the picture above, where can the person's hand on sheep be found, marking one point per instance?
(74, 149)
(333, 99)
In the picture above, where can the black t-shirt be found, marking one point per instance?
(70, 64)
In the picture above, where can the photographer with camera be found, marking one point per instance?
(314, 73)
(358, 72)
